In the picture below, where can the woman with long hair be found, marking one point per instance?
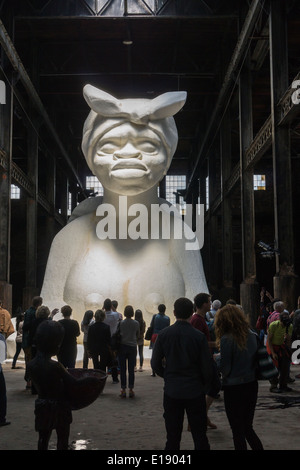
(138, 316)
(238, 348)
(87, 321)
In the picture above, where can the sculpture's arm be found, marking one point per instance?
(63, 252)
(189, 262)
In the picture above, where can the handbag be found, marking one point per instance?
(265, 366)
(149, 331)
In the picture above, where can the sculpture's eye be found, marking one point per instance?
(107, 148)
(147, 146)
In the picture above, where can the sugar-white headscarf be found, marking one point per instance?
(108, 112)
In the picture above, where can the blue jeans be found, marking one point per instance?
(127, 359)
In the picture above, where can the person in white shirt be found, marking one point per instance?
(112, 320)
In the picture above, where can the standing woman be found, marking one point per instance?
(85, 324)
(140, 342)
(129, 331)
(68, 349)
(99, 342)
(238, 346)
(19, 330)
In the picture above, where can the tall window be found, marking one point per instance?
(207, 193)
(15, 192)
(259, 182)
(94, 185)
(173, 183)
(69, 203)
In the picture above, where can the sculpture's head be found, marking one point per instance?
(129, 144)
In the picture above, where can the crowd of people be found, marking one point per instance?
(210, 347)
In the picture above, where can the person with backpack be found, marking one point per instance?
(279, 348)
(160, 321)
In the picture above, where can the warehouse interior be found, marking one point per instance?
(238, 151)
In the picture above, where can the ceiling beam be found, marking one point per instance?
(17, 65)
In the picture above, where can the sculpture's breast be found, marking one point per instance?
(142, 273)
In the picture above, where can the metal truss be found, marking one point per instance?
(113, 8)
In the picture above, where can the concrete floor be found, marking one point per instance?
(113, 425)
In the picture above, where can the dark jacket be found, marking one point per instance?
(99, 339)
(181, 356)
(238, 366)
(29, 318)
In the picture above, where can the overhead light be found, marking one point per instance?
(127, 42)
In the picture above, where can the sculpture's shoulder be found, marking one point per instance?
(164, 204)
(75, 231)
(87, 206)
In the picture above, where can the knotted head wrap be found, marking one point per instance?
(108, 112)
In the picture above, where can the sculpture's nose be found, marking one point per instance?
(128, 151)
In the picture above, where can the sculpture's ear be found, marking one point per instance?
(99, 101)
(168, 104)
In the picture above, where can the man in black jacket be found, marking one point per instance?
(181, 356)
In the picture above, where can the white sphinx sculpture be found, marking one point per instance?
(128, 145)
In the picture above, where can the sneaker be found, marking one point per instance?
(290, 380)
(123, 393)
(141, 369)
(115, 381)
(286, 389)
(131, 393)
(4, 423)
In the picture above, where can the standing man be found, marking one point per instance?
(28, 320)
(159, 321)
(278, 346)
(202, 305)
(112, 320)
(114, 307)
(181, 356)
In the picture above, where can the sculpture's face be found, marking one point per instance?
(130, 159)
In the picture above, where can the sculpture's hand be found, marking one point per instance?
(54, 312)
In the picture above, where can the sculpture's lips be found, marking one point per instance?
(129, 165)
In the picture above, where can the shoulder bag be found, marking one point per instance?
(149, 331)
(265, 366)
